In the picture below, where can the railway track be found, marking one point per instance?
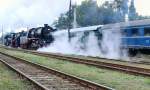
(46, 78)
(124, 68)
(100, 64)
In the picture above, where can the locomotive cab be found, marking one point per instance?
(46, 34)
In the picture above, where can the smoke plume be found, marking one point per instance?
(24, 13)
(88, 44)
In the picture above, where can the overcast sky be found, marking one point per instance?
(36, 12)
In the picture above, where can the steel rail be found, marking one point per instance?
(117, 60)
(101, 64)
(119, 67)
(23, 75)
(124, 68)
(79, 81)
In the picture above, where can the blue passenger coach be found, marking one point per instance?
(135, 35)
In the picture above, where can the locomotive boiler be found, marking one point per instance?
(34, 38)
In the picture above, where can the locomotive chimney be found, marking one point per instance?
(45, 25)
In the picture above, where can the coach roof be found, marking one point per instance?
(135, 23)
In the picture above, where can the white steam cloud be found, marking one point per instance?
(87, 45)
(25, 13)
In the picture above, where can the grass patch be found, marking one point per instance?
(114, 79)
(10, 81)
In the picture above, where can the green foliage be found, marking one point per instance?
(89, 13)
(132, 11)
(62, 22)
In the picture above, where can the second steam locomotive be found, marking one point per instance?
(34, 38)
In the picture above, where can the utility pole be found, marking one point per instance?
(2, 36)
(69, 21)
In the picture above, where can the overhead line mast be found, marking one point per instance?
(69, 21)
(2, 36)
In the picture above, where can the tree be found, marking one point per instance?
(62, 22)
(89, 13)
(132, 12)
(108, 13)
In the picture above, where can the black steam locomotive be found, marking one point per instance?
(34, 38)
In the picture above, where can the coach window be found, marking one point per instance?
(124, 32)
(147, 31)
(134, 32)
